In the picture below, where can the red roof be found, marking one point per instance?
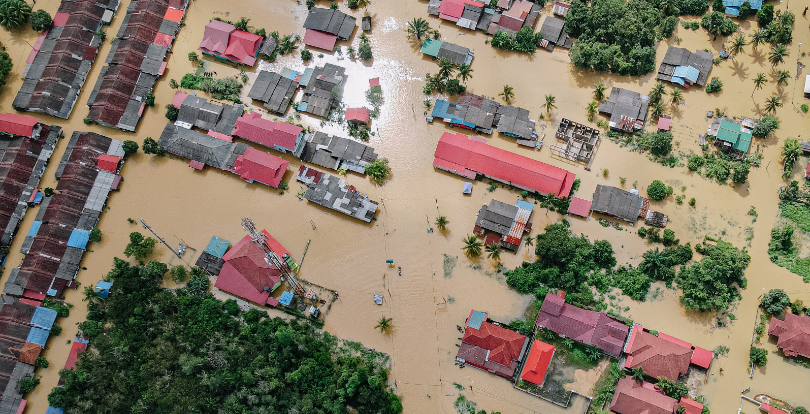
(254, 128)
(246, 273)
(221, 136)
(664, 122)
(537, 363)
(75, 350)
(108, 162)
(460, 155)
(770, 410)
(692, 406)
(702, 357)
(793, 334)
(255, 165)
(357, 114)
(503, 345)
(657, 356)
(242, 47)
(590, 327)
(320, 40)
(162, 39)
(452, 9)
(374, 82)
(216, 37)
(30, 302)
(580, 207)
(173, 15)
(197, 165)
(33, 295)
(16, 124)
(178, 99)
(59, 19)
(632, 397)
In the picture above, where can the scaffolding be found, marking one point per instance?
(575, 142)
(272, 258)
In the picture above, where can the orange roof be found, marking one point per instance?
(173, 15)
(29, 353)
(503, 345)
(537, 363)
(692, 406)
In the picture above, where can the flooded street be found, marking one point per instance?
(427, 302)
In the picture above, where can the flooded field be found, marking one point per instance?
(427, 301)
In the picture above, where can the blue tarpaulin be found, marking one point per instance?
(103, 288)
(34, 228)
(38, 197)
(43, 317)
(440, 109)
(467, 189)
(54, 410)
(524, 205)
(51, 292)
(217, 247)
(286, 298)
(302, 106)
(78, 239)
(38, 336)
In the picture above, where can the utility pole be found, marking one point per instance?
(146, 226)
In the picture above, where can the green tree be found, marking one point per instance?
(231, 307)
(745, 10)
(172, 112)
(178, 274)
(715, 85)
(193, 57)
(757, 38)
(592, 108)
(149, 99)
(758, 82)
(741, 170)
(800, 410)
(130, 148)
(713, 282)
(493, 251)
(765, 15)
(384, 324)
(472, 246)
(603, 254)
(13, 13)
(775, 301)
(446, 68)
(772, 103)
(777, 54)
(152, 147)
(759, 356)
(508, 94)
(637, 373)
(442, 222)
(765, 126)
(28, 384)
(242, 24)
(95, 235)
(41, 362)
(656, 265)
(464, 72)
(782, 77)
(306, 55)
(657, 92)
(40, 20)
(379, 170)
(713, 23)
(418, 28)
(550, 99)
(672, 389)
(5, 67)
(738, 44)
(661, 143)
(599, 92)
(657, 190)
(140, 247)
(676, 97)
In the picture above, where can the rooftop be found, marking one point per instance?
(492, 348)
(247, 274)
(590, 327)
(330, 21)
(334, 193)
(657, 356)
(262, 167)
(676, 56)
(280, 136)
(615, 202)
(336, 152)
(632, 397)
(793, 334)
(537, 363)
(274, 90)
(625, 104)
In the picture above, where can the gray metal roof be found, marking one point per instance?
(497, 217)
(333, 193)
(318, 93)
(330, 21)
(552, 30)
(100, 191)
(623, 102)
(457, 54)
(270, 44)
(676, 56)
(195, 146)
(153, 59)
(331, 151)
(274, 90)
(616, 202)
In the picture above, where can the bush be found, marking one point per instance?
(642, 232)
(745, 10)
(799, 410)
(741, 170)
(178, 274)
(765, 126)
(95, 235)
(152, 147)
(758, 356)
(28, 384)
(691, 7)
(502, 40)
(149, 99)
(692, 202)
(379, 170)
(633, 282)
(661, 143)
(364, 51)
(657, 190)
(193, 57)
(805, 108)
(668, 25)
(775, 302)
(231, 307)
(306, 55)
(41, 362)
(353, 4)
(40, 20)
(130, 148)
(172, 112)
(453, 87)
(669, 238)
(13, 13)
(715, 85)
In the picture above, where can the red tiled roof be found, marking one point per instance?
(173, 15)
(692, 406)
(216, 36)
(242, 47)
(793, 334)
(108, 162)
(770, 410)
(453, 9)
(503, 345)
(658, 357)
(702, 357)
(162, 39)
(509, 22)
(590, 327)
(537, 363)
(16, 124)
(523, 172)
(29, 353)
(178, 99)
(631, 397)
(320, 40)
(73, 356)
(357, 114)
(580, 207)
(59, 19)
(261, 167)
(254, 128)
(246, 273)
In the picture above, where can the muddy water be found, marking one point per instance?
(349, 256)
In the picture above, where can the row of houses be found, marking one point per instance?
(482, 114)
(62, 57)
(58, 237)
(135, 62)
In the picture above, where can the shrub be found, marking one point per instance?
(765, 126)
(41, 362)
(661, 143)
(715, 85)
(172, 112)
(758, 356)
(741, 170)
(805, 108)
(306, 55)
(14, 13)
(231, 307)
(40, 20)
(364, 51)
(695, 162)
(642, 232)
(657, 190)
(193, 57)
(95, 235)
(765, 15)
(668, 26)
(130, 148)
(379, 170)
(149, 99)
(692, 202)
(745, 10)
(28, 384)
(775, 301)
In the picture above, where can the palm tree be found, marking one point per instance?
(772, 103)
(446, 68)
(657, 110)
(593, 354)
(591, 110)
(568, 342)
(637, 374)
(782, 77)
(655, 264)
(384, 324)
(599, 91)
(13, 13)
(677, 95)
(777, 54)
(530, 241)
(790, 153)
(472, 246)
(418, 28)
(758, 38)
(758, 82)
(550, 103)
(738, 44)
(507, 94)
(363, 3)
(493, 251)
(441, 223)
(464, 72)
(657, 92)
(91, 295)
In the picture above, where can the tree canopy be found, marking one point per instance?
(713, 283)
(775, 301)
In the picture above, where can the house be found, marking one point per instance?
(627, 109)
(439, 50)
(55, 244)
(690, 406)
(325, 26)
(211, 258)
(135, 62)
(274, 91)
(109, 162)
(336, 153)
(222, 40)
(515, 122)
(333, 193)
(246, 273)
(733, 137)
(75, 349)
(732, 7)
(57, 68)
(197, 146)
(195, 111)
(510, 222)
(589, 327)
(579, 207)
(464, 13)
(19, 125)
(560, 9)
(633, 397)
(470, 112)
(15, 317)
(793, 334)
(768, 409)
(102, 288)
(659, 356)
(537, 363)
(323, 89)
(261, 167)
(615, 202)
(578, 141)
(664, 122)
(458, 154)
(518, 15)
(694, 67)
(553, 33)
(492, 348)
(357, 115)
(280, 136)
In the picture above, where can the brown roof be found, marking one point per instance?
(793, 334)
(29, 353)
(658, 357)
(633, 397)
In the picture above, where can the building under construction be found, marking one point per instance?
(576, 142)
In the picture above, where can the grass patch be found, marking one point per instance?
(570, 352)
(448, 265)
(782, 249)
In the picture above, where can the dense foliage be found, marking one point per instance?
(40, 20)
(713, 283)
(714, 85)
(226, 88)
(660, 143)
(13, 13)
(759, 356)
(379, 170)
(155, 350)
(691, 7)
(717, 24)
(5, 67)
(775, 301)
(781, 249)
(130, 148)
(765, 126)
(525, 40)
(672, 389)
(615, 35)
(657, 190)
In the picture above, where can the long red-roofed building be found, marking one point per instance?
(280, 136)
(537, 363)
(247, 275)
(793, 334)
(633, 397)
(492, 348)
(458, 154)
(262, 167)
(658, 356)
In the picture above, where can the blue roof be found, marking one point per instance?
(52, 410)
(103, 285)
(476, 319)
(38, 336)
(467, 189)
(306, 77)
(217, 247)
(687, 72)
(84, 341)
(733, 11)
(43, 317)
(755, 4)
(524, 205)
(679, 81)
(78, 239)
(34, 228)
(440, 111)
(51, 292)
(302, 106)
(286, 298)
(38, 197)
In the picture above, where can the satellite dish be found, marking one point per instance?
(267, 288)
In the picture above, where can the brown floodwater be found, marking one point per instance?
(349, 256)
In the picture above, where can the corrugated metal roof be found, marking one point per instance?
(38, 336)
(43, 318)
(79, 238)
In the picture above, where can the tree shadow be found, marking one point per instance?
(739, 70)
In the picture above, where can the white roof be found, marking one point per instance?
(807, 84)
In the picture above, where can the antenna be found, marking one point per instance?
(271, 257)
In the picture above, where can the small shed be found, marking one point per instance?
(197, 165)
(108, 162)
(560, 9)
(78, 239)
(654, 218)
(217, 246)
(286, 298)
(431, 47)
(116, 182)
(702, 357)
(366, 23)
(358, 115)
(374, 82)
(579, 207)
(43, 318)
(664, 123)
(103, 288)
(467, 188)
